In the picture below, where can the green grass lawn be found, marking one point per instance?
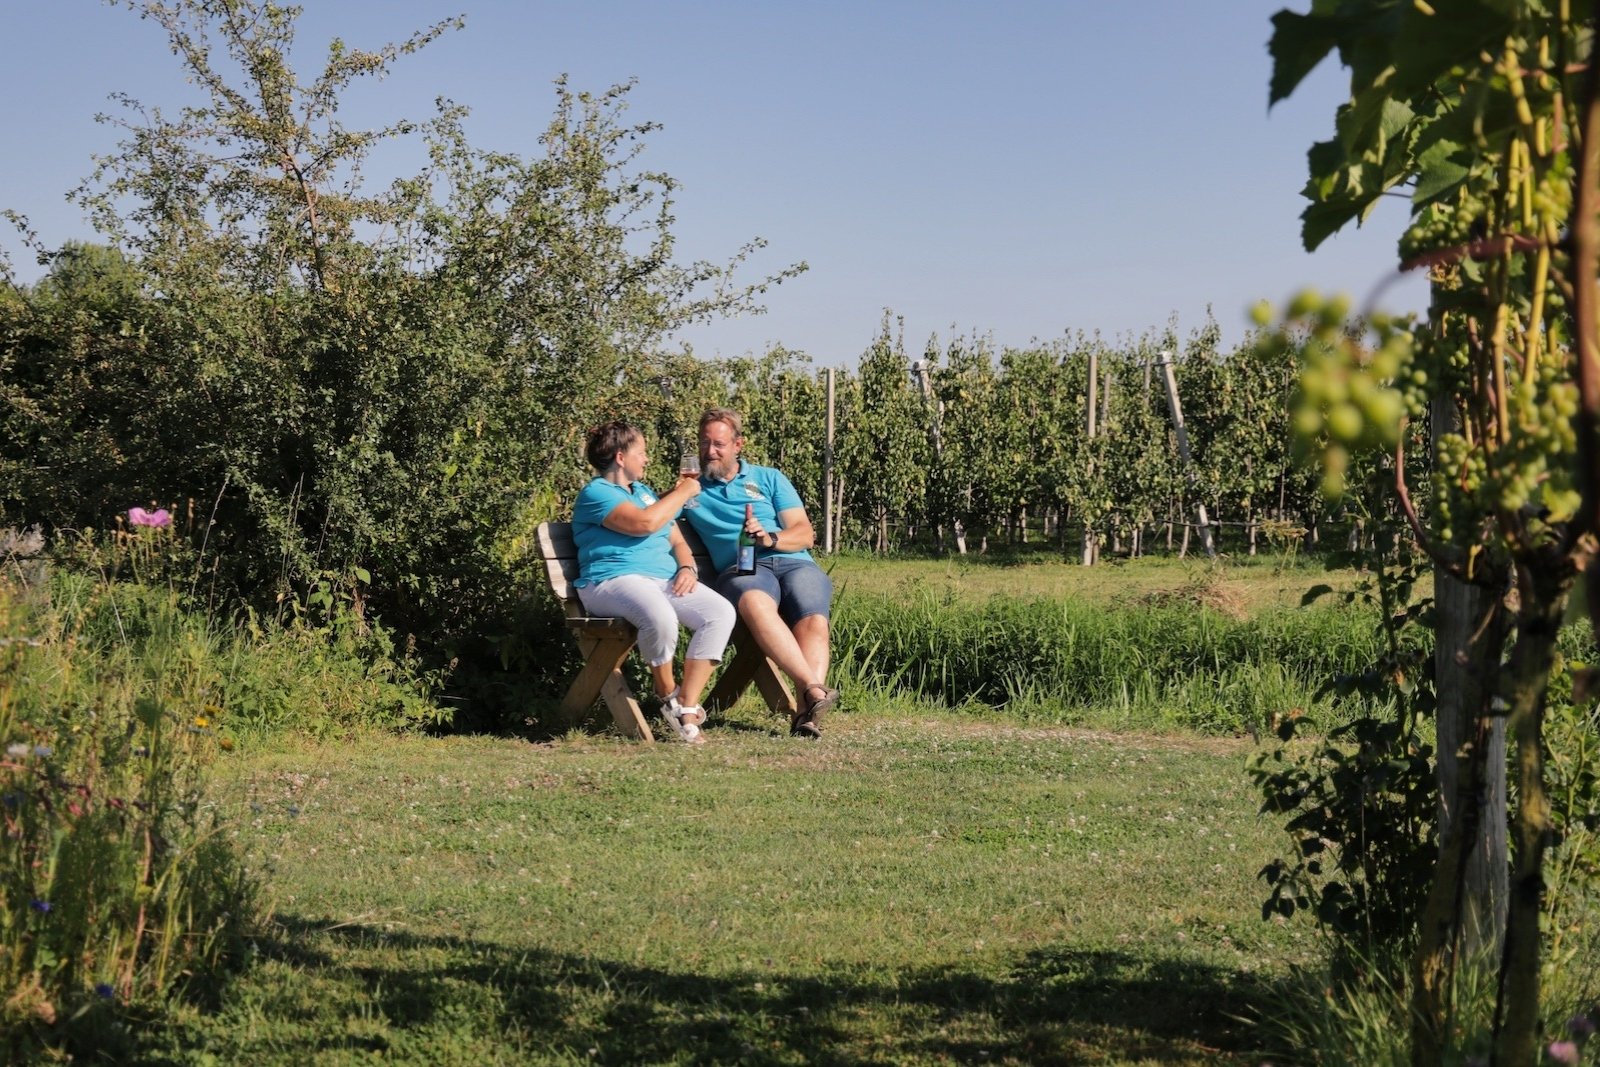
(1247, 584)
(909, 891)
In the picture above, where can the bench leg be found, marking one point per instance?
(748, 665)
(625, 709)
(774, 686)
(601, 678)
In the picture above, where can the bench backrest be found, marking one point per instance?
(560, 554)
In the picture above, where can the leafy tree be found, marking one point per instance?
(1490, 112)
(1242, 439)
(381, 387)
(1031, 426)
(965, 387)
(1066, 470)
(883, 447)
(1139, 452)
(84, 392)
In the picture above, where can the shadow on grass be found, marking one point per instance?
(1055, 1006)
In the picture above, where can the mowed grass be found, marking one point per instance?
(913, 890)
(1246, 584)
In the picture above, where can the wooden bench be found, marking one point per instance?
(605, 643)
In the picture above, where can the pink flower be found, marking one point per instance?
(141, 517)
(1565, 1052)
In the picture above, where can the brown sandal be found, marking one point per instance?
(807, 722)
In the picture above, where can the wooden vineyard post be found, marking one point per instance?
(1164, 361)
(1112, 536)
(1089, 545)
(827, 474)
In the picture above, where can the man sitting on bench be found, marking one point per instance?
(786, 602)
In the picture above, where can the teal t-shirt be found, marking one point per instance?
(604, 553)
(719, 512)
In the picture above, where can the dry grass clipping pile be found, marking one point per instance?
(1205, 589)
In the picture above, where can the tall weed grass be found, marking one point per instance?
(1366, 1021)
(1146, 665)
(118, 884)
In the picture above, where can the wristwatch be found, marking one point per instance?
(772, 542)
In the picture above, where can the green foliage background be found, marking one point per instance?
(361, 396)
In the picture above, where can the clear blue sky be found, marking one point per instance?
(1022, 170)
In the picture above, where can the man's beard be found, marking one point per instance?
(722, 471)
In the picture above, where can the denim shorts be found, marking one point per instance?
(798, 586)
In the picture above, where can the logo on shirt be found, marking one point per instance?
(752, 490)
(647, 498)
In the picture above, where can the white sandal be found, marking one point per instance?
(691, 716)
(684, 720)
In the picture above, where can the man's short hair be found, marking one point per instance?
(727, 415)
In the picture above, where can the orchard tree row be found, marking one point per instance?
(960, 446)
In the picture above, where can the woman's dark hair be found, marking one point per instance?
(607, 439)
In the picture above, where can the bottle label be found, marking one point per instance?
(747, 559)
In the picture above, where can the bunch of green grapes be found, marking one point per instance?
(1539, 459)
(1458, 470)
(1528, 477)
(1440, 225)
(1552, 197)
(1350, 398)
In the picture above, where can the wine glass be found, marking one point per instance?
(689, 464)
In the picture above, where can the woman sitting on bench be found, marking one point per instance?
(633, 563)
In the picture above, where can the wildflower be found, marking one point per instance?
(225, 743)
(141, 517)
(1563, 1052)
(201, 721)
(41, 906)
(103, 989)
(1581, 1027)
(17, 750)
(42, 750)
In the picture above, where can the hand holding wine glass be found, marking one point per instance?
(689, 467)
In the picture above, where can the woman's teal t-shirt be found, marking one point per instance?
(604, 553)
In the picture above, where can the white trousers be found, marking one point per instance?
(650, 605)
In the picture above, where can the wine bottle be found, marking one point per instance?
(747, 545)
